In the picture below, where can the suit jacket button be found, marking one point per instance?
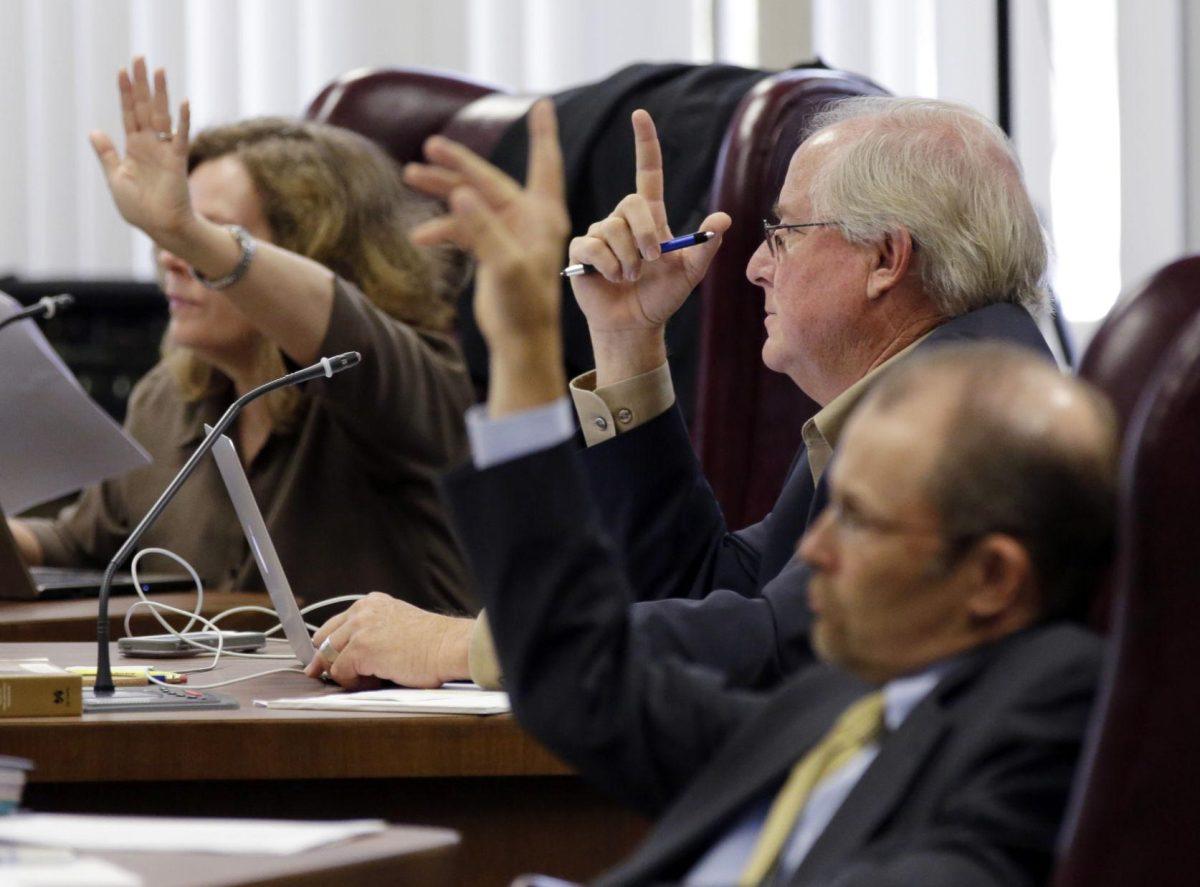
(600, 422)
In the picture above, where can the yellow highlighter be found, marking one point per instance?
(129, 676)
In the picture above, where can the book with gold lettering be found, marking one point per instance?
(35, 688)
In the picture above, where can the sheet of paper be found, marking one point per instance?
(458, 700)
(163, 834)
(54, 439)
(86, 871)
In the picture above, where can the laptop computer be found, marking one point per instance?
(269, 565)
(21, 583)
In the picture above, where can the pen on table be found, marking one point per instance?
(130, 676)
(682, 242)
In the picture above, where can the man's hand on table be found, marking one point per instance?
(382, 638)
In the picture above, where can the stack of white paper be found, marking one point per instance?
(54, 439)
(154, 834)
(456, 700)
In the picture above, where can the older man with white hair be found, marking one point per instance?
(901, 224)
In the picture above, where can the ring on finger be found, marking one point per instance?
(164, 136)
(327, 652)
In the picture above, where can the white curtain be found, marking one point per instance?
(1109, 95)
(935, 48)
(236, 58)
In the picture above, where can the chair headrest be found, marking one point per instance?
(1137, 333)
(396, 108)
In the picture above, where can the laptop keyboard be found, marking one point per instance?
(74, 582)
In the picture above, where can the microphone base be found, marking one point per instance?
(154, 698)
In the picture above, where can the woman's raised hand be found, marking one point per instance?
(149, 184)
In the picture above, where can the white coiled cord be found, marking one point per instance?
(157, 608)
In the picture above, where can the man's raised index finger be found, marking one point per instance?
(649, 157)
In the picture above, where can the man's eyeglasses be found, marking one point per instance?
(852, 519)
(772, 234)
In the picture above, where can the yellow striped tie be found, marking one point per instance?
(859, 726)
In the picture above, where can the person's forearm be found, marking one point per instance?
(623, 355)
(27, 544)
(525, 373)
(453, 649)
(288, 297)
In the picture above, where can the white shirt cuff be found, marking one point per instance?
(510, 437)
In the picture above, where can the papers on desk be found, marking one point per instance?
(84, 871)
(449, 700)
(164, 834)
(54, 439)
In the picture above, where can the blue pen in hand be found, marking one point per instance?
(669, 247)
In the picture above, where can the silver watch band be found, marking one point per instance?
(247, 244)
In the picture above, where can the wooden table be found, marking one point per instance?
(75, 620)
(401, 855)
(517, 807)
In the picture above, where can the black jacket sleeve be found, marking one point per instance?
(559, 612)
(691, 577)
(654, 500)
(770, 643)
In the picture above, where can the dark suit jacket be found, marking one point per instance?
(969, 791)
(692, 577)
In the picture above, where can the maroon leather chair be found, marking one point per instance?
(748, 418)
(1134, 337)
(1129, 346)
(400, 108)
(1135, 816)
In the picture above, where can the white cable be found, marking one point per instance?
(218, 650)
(137, 586)
(254, 608)
(210, 625)
(195, 615)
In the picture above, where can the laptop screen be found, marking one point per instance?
(263, 548)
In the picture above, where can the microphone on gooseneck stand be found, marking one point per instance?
(104, 696)
(46, 307)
